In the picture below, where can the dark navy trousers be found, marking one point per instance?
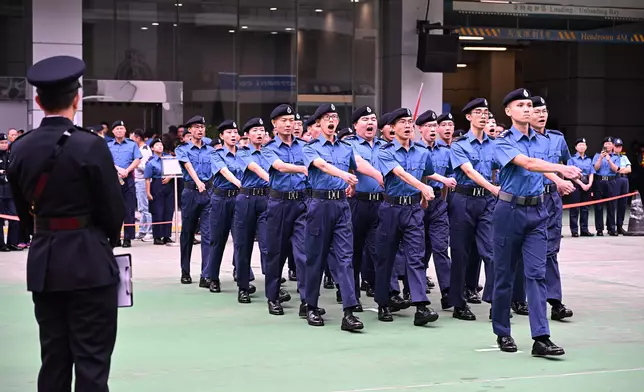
(162, 207)
(249, 219)
(129, 197)
(520, 233)
(470, 221)
(603, 190)
(621, 185)
(552, 202)
(579, 221)
(364, 220)
(400, 229)
(7, 207)
(329, 241)
(285, 231)
(195, 210)
(221, 223)
(437, 241)
(473, 270)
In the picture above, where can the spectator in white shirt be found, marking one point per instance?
(145, 229)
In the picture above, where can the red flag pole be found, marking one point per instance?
(420, 95)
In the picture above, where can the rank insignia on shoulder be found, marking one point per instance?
(556, 132)
(269, 142)
(504, 133)
(389, 144)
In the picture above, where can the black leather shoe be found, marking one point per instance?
(363, 285)
(185, 278)
(328, 282)
(358, 308)
(282, 280)
(430, 284)
(167, 240)
(4, 248)
(127, 243)
(351, 323)
(587, 234)
(520, 308)
(445, 302)
(204, 283)
(384, 314)
(304, 309)
(243, 297)
(546, 349)
(158, 241)
(292, 276)
(560, 312)
(424, 315)
(252, 289)
(284, 296)
(600, 234)
(370, 292)
(215, 286)
(396, 303)
(506, 344)
(575, 235)
(610, 233)
(472, 297)
(464, 314)
(338, 297)
(620, 230)
(275, 308)
(196, 242)
(314, 318)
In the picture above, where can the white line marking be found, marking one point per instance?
(449, 383)
(485, 350)
(371, 310)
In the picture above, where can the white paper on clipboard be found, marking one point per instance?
(170, 167)
(125, 294)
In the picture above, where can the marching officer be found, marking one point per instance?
(250, 206)
(583, 185)
(621, 184)
(65, 185)
(329, 234)
(445, 129)
(286, 209)
(7, 206)
(520, 224)
(403, 165)
(471, 206)
(606, 165)
(195, 161)
(160, 192)
(127, 157)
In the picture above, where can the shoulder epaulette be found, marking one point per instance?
(352, 137)
(344, 141)
(389, 144)
(380, 139)
(418, 144)
(313, 141)
(504, 133)
(301, 140)
(458, 139)
(492, 137)
(268, 142)
(556, 132)
(244, 148)
(86, 130)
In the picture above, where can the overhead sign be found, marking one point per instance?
(232, 81)
(552, 35)
(548, 10)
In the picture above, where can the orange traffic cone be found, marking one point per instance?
(636, 222)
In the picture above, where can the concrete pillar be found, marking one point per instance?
(57, 29)
(502, 80)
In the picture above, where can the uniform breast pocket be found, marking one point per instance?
(540, 155)
(341, 163)
(415, 167)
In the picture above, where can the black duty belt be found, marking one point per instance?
(475, 191)
(290, 195)
(370, 196)
(328, 195)
(549, 188)
(521, 200)
(606, 178)
(437, 190)
(622, 175)
(193, 185)
(403, 200)
(61, 224)
(254, 191)
(225, 192)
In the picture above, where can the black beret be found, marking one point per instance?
(516, 95)
(490, 116)
(582, 140)
(282, 110)
(252, 123)
(426, 117)
(538, 102)
(215, 141)
(3, 136)
(473, 104)
(115, 124)
(608, 139)
(226, 124)
(155, 141)
(398, 114)
(361, 112)
(58, 74)
(308, 121)
(445, 117)
(195, 120)
(297, 117)
(384, 120)
(322, 110)
(618, 142)
(345, 132)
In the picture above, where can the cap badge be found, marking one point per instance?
(234, 125)
(408, 112)
(525, 93)
(542, 101)
(261, 122)
(288, 109)
(368, 109)
(449, 115)
(485, 102)
(332, 107)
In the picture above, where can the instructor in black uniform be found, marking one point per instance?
(64, 184)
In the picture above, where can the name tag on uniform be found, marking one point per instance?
(125, 294)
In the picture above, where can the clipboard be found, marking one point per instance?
(125, 293)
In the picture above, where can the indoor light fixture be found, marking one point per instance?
(178, 5)
(461, 65)
(486, 48)
(273, 8)
(289, 29)
(273, 32)
(244, 27)
(155, 24)
(469, 38)
(231, 31)
(144, 28)
(318, 10)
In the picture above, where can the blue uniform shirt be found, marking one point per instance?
(223, 157)
(604, 167)
(275, 149)
(362, 148)
(249, 179)
(124, 153)
(154, 166)
(415, 161)
(557, 151)
(439, 153)
(514, 179)
(585, 164)
(479, 154)
(338, 154)
(199, 158)
(206, 140)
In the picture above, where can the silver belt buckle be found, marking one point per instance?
(334, 195)
(291, 195)
(478, 192)
(373, 196)
(405, 200)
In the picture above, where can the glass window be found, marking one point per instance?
(15, 22)
(365, 53)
